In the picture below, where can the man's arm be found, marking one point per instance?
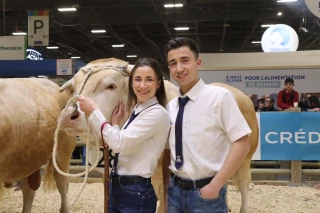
(238, 152)
(296, 97)
(166, 176)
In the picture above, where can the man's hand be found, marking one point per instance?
(317, 109)
(87, 105)
(209, 192)
(118, 114)
(314, 110)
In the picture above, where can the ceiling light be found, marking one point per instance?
(53, 47)
(267, 25)
(181, 28)
(131, 56)
(286, 0)
(19, 33)
(75, 57)
(173, 5)
(279, 14)
(67, 9)
(118, 45)
(256, 42)
(98, 31)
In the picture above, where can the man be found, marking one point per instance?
(312, 106)
(287, 96)
(269, 105)
(307, 96)
(304, 104)
(208, 138)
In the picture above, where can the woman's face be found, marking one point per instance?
(145, 84)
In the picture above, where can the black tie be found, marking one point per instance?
(178, 131)
(116, 156)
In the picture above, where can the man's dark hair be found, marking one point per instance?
(260, 100)
(289, 80)
(181, 42)
(314, 99)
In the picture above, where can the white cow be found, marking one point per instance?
(29, 110)
(109, 85)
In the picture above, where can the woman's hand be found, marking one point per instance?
(118, 114)
(87, 105)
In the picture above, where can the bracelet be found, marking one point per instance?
(101, 128)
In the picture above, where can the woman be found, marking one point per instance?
(139, 143)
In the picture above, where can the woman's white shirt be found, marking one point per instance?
(140, 145)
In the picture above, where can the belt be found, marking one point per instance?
(129, 180)
(190, 184)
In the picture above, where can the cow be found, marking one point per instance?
(29, 111)
(107, 84)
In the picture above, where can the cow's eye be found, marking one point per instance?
(111, 86)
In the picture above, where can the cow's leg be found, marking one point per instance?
(64, 152)
(227, 198)
(28, 195)
(62, 183)
(157, 182)
(243, 177)
(158, 188)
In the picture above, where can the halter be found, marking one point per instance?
(72, 101)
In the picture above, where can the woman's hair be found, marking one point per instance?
(160, 93)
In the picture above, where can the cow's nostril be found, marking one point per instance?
(75, 115)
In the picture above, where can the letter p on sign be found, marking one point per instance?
(38, 28)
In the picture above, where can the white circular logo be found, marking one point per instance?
(279, 38)
(314, 6)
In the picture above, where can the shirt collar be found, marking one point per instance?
(194, 92)
(151, 101)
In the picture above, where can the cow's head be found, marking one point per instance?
(105, 87)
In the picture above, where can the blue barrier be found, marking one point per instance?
(290, 136)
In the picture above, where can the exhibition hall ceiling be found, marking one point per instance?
(144, 26)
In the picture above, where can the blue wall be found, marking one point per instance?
(26, 68)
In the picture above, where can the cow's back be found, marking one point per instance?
(29, 111)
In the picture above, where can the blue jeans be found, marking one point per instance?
(190, 201)
(134, 198)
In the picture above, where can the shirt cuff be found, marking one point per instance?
(96, 119)
(116, 127)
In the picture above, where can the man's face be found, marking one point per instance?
(267, 102)
(184, 67)
(307, 96)
(289, 86)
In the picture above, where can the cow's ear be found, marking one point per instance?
(126, 85)
(68, 86)
(129, 68)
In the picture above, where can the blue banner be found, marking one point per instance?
(290, 135)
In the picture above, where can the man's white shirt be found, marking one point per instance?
(212, 121)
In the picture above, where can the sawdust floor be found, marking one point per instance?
(263, 199)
